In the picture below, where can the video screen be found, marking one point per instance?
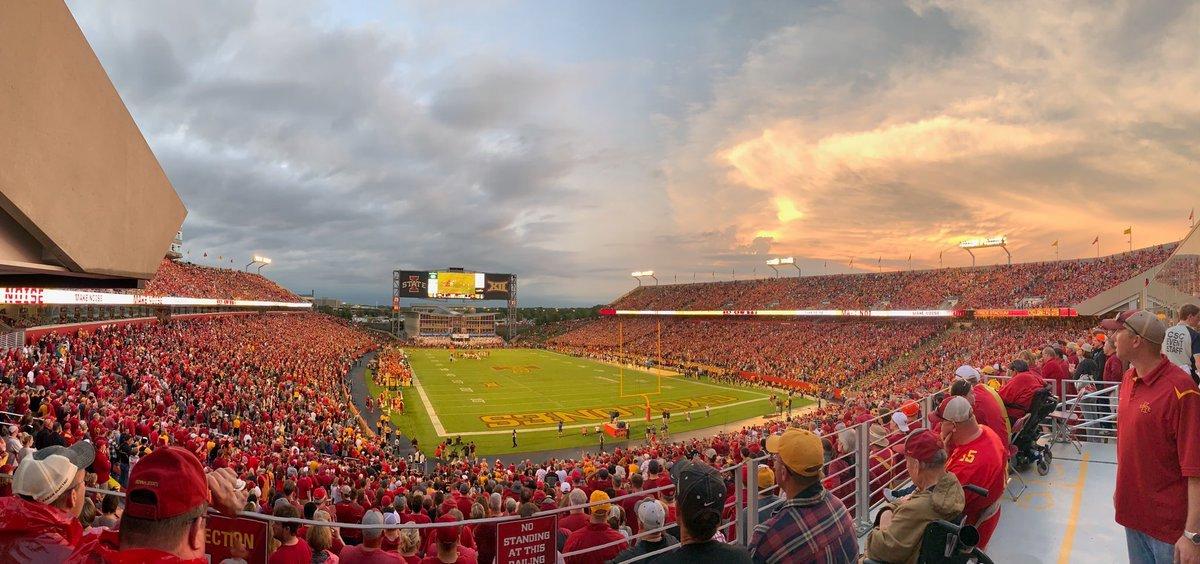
(461, 285)
(453, 285)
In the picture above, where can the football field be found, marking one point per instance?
(532, 391)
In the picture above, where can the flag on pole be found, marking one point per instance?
(205, 254)
(1192, 215)
(1096, 241)
(1055, 243)
(910, 257)
(1128, 230)
(851, 262)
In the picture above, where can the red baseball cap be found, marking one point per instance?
(447, 535)
(921, 445)
(166, 483)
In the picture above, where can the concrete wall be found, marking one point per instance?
(79, 186)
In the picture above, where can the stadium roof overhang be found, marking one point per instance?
(83, 200)
(1166, 286)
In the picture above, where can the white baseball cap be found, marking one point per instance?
(651, 514)
(48, 473)
(901, 421)
(967, 372)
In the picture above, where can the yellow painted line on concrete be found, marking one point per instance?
(1064, 552)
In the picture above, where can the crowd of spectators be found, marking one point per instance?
(262, 399)
(827, 354)
(1050, 284)
(183, 279)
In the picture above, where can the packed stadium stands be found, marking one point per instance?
(194, 281)
(829, 354)
(1052, 284)
(266, 396)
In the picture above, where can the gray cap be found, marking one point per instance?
(372, 517)
(81, 454)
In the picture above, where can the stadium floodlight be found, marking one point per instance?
(990, 242)
(639, 274)
(773, 263)
(263, 261)
(791, 261)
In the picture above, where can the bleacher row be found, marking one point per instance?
(188, 280)
(1049, 284)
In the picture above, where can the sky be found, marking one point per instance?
(571, 142)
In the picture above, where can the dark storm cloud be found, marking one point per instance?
(312, 144)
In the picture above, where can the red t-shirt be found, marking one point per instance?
(298, 553)
(989, 411)
(982, 462)
(574, 521)
(1056, 369)
(595, 534)
(1019, 392)
(356, 555)
(462, 559)
(1158, 449)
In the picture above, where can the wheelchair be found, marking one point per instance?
(946, 542)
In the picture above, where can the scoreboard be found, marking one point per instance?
(453, 284)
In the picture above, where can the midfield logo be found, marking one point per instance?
(518, 369)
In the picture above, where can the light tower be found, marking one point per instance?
(990, 242)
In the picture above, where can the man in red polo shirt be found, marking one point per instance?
(1157, 497)
(977, 457)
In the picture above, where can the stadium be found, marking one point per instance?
(452, 433)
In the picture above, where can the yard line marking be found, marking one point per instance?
(606, 379)
(477, 400)
(429, 411)
(509, 430)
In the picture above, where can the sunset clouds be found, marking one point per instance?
(574, 142)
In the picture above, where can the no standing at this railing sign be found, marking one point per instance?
(529, 541)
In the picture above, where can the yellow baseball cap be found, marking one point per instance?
(599, 495)
(766, 477)
(799, 449)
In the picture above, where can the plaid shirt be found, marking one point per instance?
(814, 526)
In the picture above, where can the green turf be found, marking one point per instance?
(531, 390)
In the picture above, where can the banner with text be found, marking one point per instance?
(529, 541)
(223, 533)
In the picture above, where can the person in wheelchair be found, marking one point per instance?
(900, 527)
(977, 456)
(1018, 392)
